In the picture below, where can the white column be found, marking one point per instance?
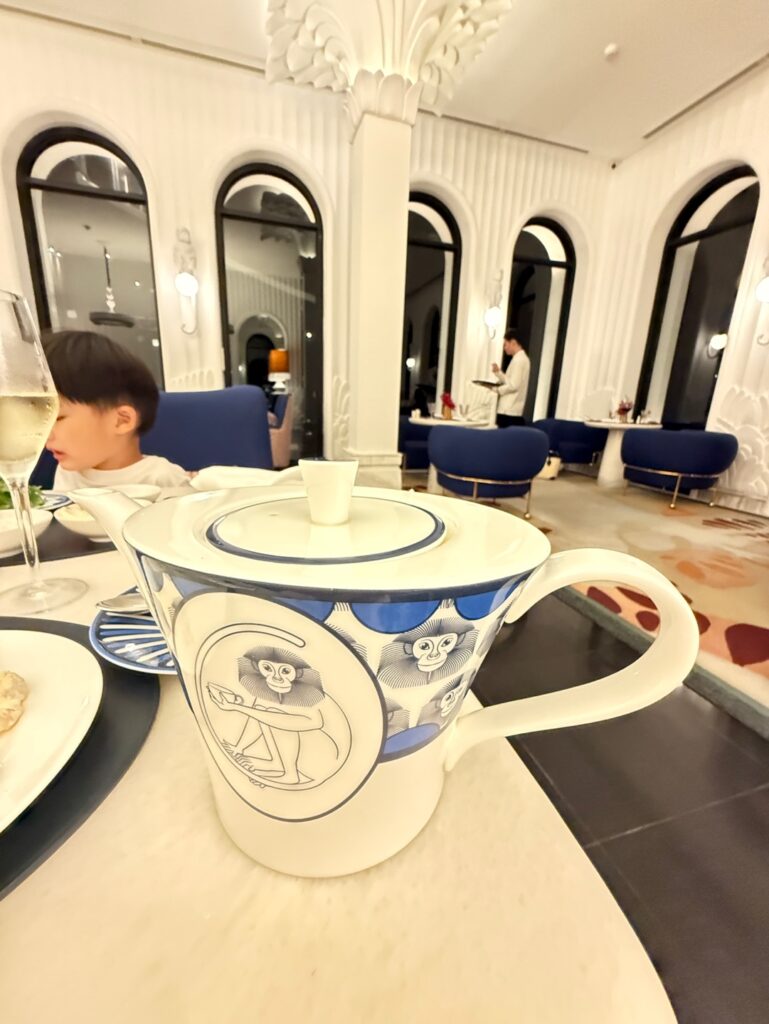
(379, 189)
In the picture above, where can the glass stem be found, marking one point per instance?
(20, 496)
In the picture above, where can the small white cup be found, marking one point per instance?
(329, 484)
(416, 414)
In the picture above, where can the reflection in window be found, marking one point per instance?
(432, 288)
(84, 209)
(697, 288)
(541, 286)
(271, 280)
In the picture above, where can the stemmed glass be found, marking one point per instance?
(28, 409)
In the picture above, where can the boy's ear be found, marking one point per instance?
(126, 419)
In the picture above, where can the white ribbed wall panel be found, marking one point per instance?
(186, 122)
(493, 183)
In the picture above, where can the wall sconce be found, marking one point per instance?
(717, 344)
(493, 318)
(185, 282)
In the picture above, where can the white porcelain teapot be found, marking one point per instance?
(326, 665)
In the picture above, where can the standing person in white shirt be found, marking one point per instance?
(107, 399)
(513, 384)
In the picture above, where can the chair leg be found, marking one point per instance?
(527, 513)
(675, 492)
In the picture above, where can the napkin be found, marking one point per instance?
(215, 478)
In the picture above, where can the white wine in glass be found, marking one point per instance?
(28, 409)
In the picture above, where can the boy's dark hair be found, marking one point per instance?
(91, 368)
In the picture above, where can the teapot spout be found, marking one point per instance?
(111, 509)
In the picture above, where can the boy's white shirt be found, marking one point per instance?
(150, 469)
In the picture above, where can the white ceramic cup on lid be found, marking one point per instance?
(329, 484)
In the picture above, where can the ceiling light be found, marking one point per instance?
(137, 284)
(611, 51)
(411, 363)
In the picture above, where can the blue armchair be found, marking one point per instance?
(412, 443)
(208, 428)
(572, 440)
(677, 460)
(488, 463)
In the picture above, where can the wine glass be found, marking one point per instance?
(28, 409)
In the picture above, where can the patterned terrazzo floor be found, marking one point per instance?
(718, 558)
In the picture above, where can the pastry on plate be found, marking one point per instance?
(13, 693)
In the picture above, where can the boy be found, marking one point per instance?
(107, 399)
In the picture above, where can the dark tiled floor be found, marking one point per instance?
(671, 804)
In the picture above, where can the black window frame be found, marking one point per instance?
(569, 264)
(26, 182)
(221, 213)
(674, 240)
(455, 247)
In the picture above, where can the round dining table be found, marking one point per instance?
(611, 472)
(149, 913)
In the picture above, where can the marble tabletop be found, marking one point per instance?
(150, 914)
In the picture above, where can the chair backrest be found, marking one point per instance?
(701, 452)
(515, 453)
(410, 431)
(212, 428)
(44, 471)
(279, 409)
(575, 431)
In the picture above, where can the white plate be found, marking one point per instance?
(65, 687)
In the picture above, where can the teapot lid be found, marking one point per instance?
(279, 529)
(392, 540)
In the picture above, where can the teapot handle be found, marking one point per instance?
(657, 672)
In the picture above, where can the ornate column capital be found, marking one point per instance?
(389, 56)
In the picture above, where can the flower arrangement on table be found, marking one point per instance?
(624, 408)
(448, 405)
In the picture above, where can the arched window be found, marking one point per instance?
(696, 290)
(541, 287)
(84, 210)
(432, 289)
(270, 244)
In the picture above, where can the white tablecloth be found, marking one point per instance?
(150, 915)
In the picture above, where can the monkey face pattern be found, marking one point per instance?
(432, 652)
(449, 701)
(275, 674)
(278, 674)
